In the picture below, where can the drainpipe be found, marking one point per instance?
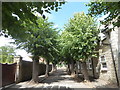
(113, 60)
(114, 65)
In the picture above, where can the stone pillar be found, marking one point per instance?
(17, 60)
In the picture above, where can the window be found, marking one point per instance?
(102, 58)
(103, 63)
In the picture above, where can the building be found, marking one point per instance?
(109, 56)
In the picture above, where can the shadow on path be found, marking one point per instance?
(57, 76)
(58, 80)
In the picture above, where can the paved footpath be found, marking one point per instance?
(58, 80)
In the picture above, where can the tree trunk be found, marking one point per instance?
(85, 71)
(79, 67)
(68, 69)
(54, 67)
(47, 68)
(93, 70)
(76, 69)
(35, 69)
(72, 67)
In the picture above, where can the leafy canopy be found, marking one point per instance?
(79, 39)
(7, 54)
(40, 38)
(101, 7)
(15, 13)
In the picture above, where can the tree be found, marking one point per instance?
(13, 17)
(66, 44)
(7, 54)
(111, 8)
(80, 39)
(39, 41)
(32, 34)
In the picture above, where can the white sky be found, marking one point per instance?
(5, 41)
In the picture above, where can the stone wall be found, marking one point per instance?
(109, 74)
(114, 43)
(25, 70)
(0, 76)
(119, 54)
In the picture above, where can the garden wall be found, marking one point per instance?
(25, 70)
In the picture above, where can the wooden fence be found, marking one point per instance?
(8, 74)
(11, 73)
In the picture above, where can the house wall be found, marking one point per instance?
(119, 54)
(109, 74)
(114, 43)
(0, 76)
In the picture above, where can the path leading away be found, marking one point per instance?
(58, 80)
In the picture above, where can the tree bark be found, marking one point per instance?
(80, 67)
(72, 67)
(93, 70)
(35, 69)
(77, 63)
(47, 68)
(68, 69)
(85, 71)
(54, 67)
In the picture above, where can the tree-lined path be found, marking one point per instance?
(58, 80)
(77, 44)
